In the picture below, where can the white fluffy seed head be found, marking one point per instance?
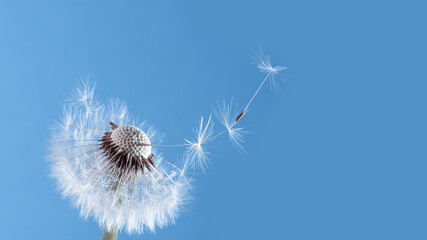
(141, 200)
(132, 140)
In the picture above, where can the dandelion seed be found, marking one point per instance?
(240, 116)
(264, 65)
(105, 163)
(226, 113)
(196, 151)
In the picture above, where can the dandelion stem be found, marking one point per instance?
(109, 235)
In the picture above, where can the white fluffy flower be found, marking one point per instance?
(104, 162)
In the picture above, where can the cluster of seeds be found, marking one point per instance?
(131, 139)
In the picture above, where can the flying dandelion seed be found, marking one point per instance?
(264, 65)
(108, 165)
(196, 151)
(226, 114)
(105, 163)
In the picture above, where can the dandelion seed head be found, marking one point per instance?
(110, 171)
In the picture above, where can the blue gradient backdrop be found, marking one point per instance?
(339, 153)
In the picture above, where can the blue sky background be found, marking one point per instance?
(339, 153)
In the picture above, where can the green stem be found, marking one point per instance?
(107, 235)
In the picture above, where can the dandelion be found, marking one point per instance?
(108, 164)
(105, 163)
